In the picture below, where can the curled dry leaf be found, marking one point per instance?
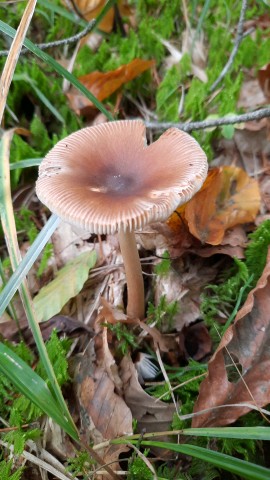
(91, 8)
(102, 85)
(247, 343)
(104, 414)
(227, 198)
(264, 80)
(61, 323)
(152, 415)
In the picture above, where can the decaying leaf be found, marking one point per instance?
(66, 285)
(252, 143)
(61, 323)
(228, 197)
(102, 85)
(91, 8)
(152, 415)
(103, 412)
(245, 344)
(264, 80)
(184, 284)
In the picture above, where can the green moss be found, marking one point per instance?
(223, 296)
(169, 91)
(195, 108)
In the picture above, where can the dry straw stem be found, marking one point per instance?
(47, 467)
(204, 124)
(14, 54)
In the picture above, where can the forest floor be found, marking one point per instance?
(184, 391)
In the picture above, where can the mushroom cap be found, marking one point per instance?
(105, 178)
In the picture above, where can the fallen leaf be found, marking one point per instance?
(264, 80)
(228, 197)
(247, 342)
(184, 284)
(102, 85)
(60, 323)
(152, 415)
(104, 414)
(253, 145)
(66, 285)
(262, 22)
(198, 342)
(91, 8)
(251, 95)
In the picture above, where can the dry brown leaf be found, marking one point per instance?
(251, 95)
(228, 197)
(104, 414)
(262, 22)
(253, 146)
(264, 80)
(91, 8)
(247, 342)
(102, 85)
(152, 415)
(198, 342)
(184, 284)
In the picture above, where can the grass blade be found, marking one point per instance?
(27, 262)
(8, 223)
(252, 433)
(33, 387)
(5, 28)
(242, 468)
(63, 12)
(29, 162)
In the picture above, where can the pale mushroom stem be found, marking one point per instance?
(135, 287)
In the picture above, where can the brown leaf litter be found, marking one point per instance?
(103, 412)
(244, 349)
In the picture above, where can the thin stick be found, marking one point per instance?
(135, 286)
(189, 126)
(239, 38)
(57, 43)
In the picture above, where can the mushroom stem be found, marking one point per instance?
(135, 287)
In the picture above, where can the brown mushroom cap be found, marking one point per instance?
(105, 178)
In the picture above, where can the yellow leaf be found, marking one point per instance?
(91, 8)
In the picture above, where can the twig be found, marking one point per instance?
(239, 38)
(228, 120)
(57, 43)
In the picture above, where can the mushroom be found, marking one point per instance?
(106, 179)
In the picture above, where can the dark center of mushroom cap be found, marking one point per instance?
(114, 183)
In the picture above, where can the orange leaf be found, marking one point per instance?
(102, 85)
(264, 80)
(91, 8)
(177, 221)
(228, 197)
